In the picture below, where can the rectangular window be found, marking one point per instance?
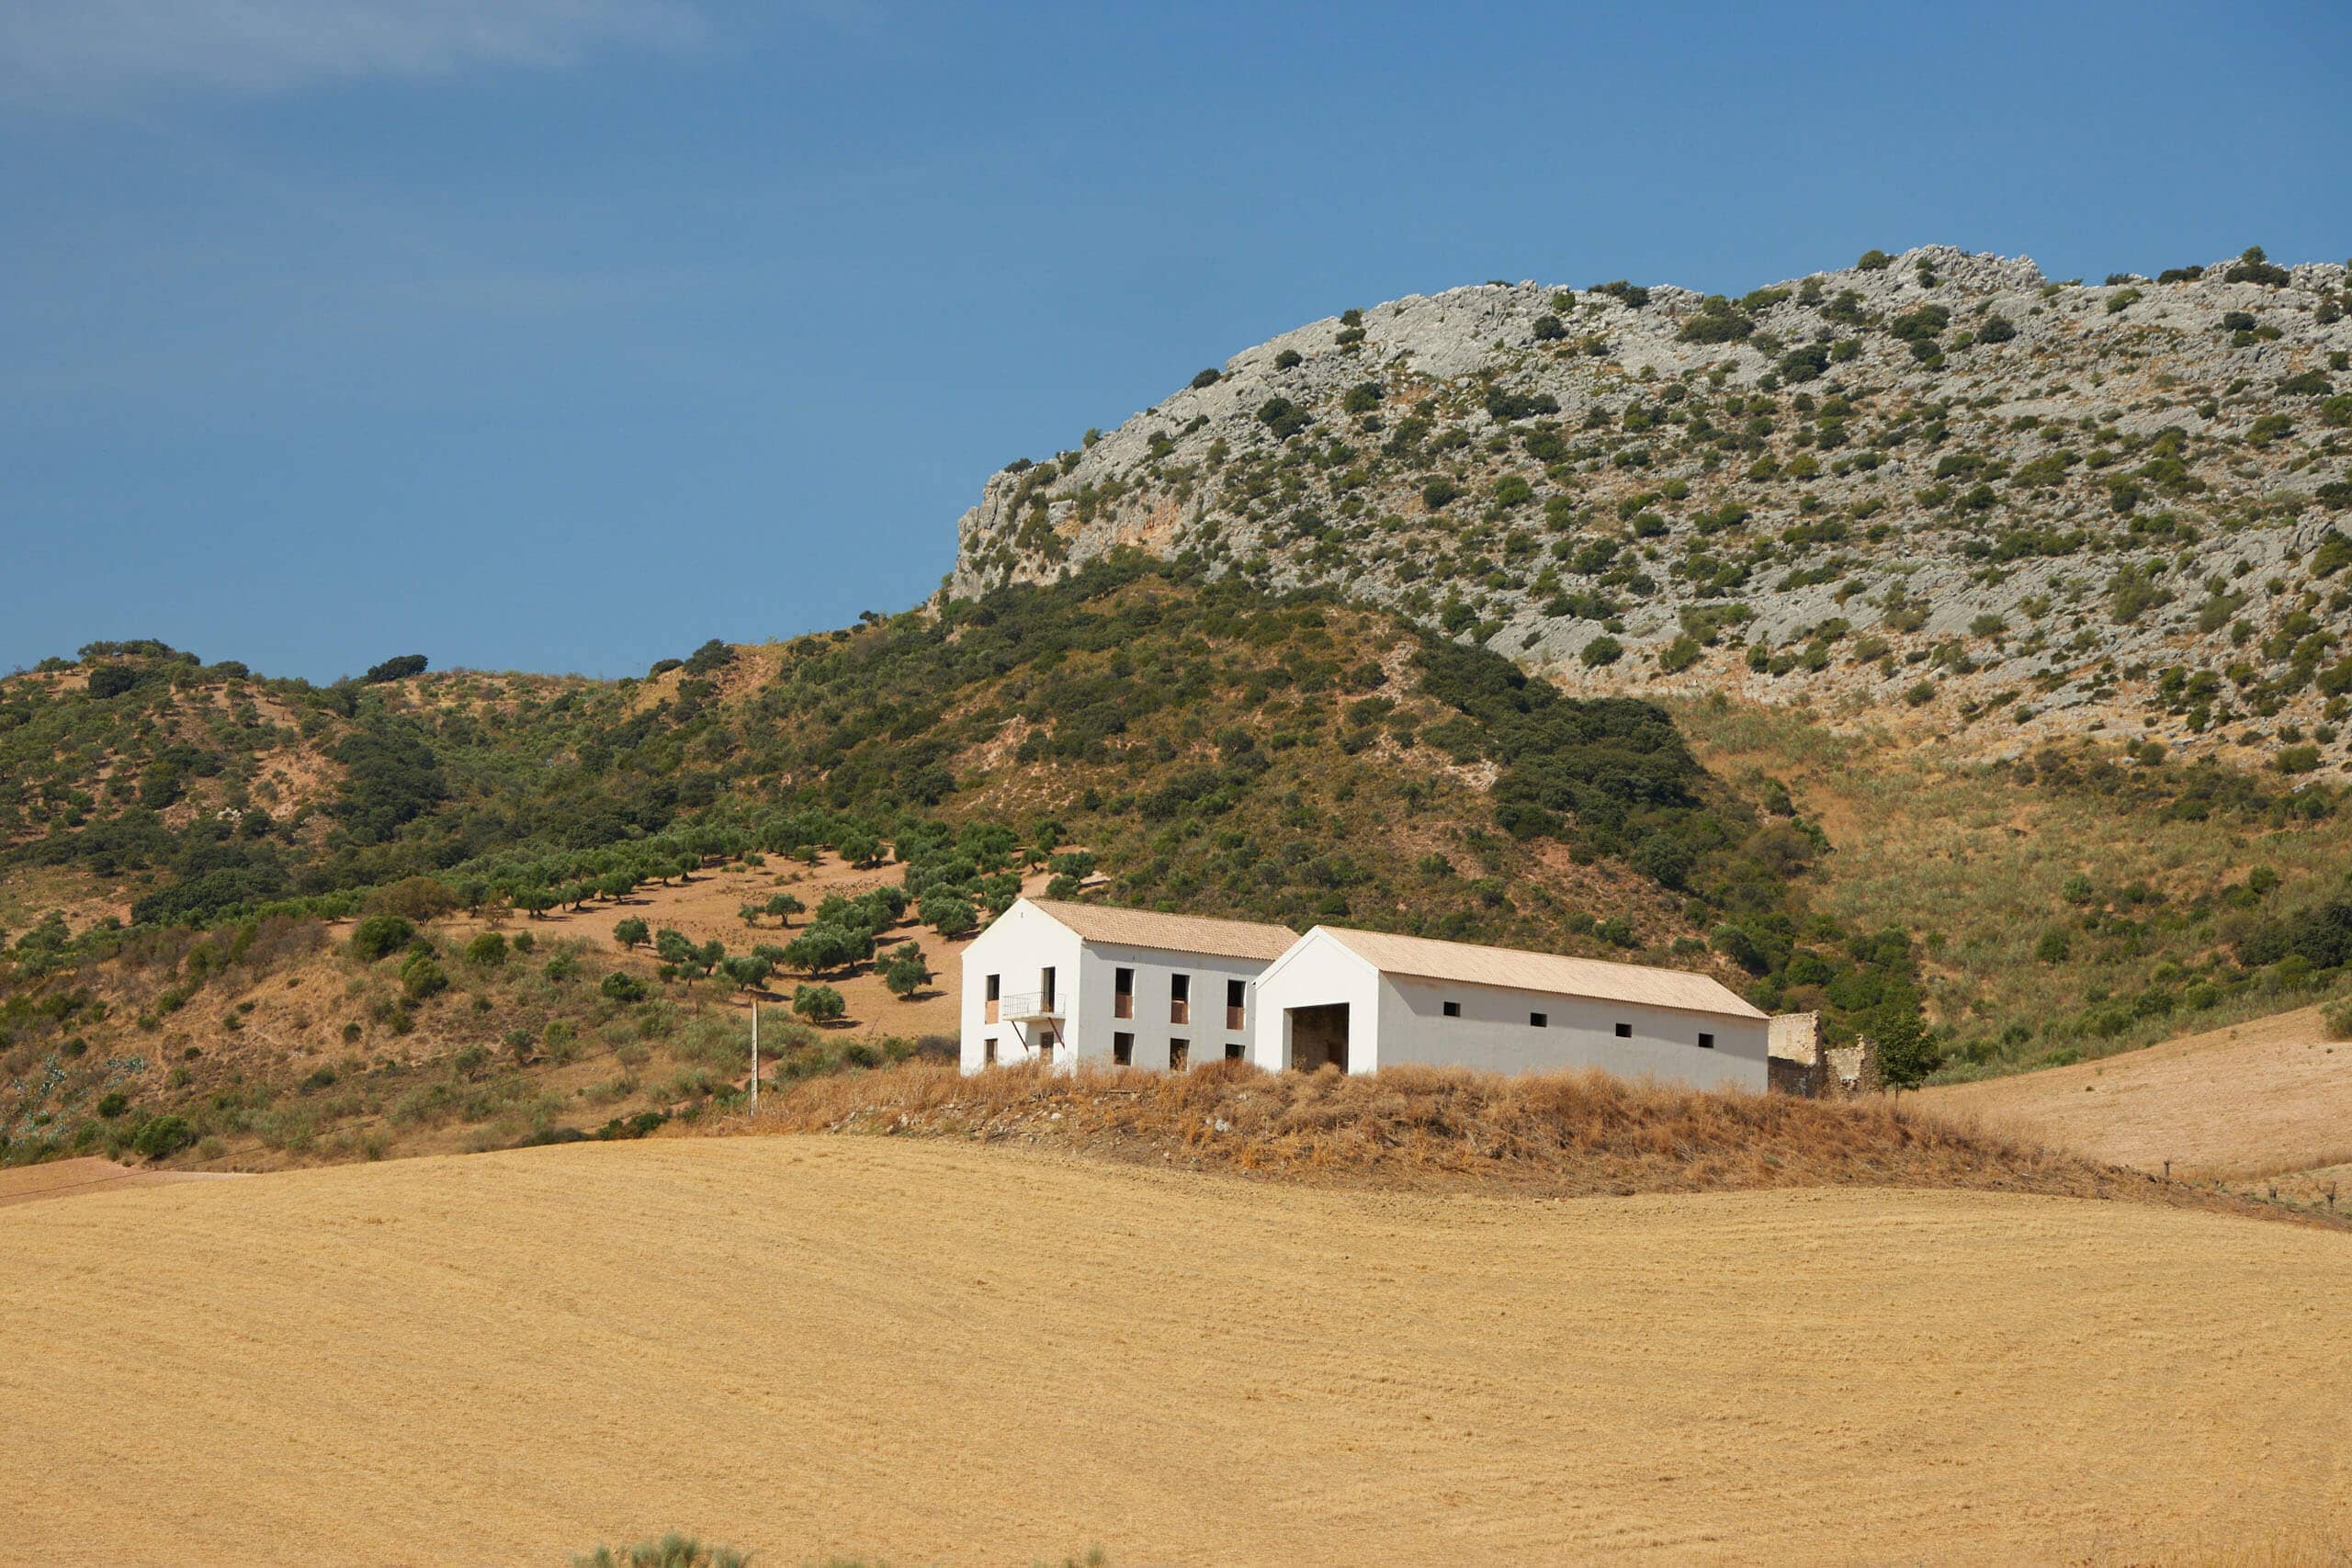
(1123, 993)
(987, 1013)
(1538, 1020)
(1625, 1031)
(987, 1052)
(1180, 998)
(1237, 996)
(1454, 1009)
(1123, 1049)
(1706, 1041)
(1233, 1050)
(1180, 1054)
(1046, 990)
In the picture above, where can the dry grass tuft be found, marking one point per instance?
(1565, 1135)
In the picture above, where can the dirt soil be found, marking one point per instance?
(76, 1177)
(936, 1352)
(2254, 1098)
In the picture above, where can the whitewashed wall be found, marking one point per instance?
(1017, 946)
(1317, 971)
(1093, 1019)
(1395, 1019)
(1020, 943)
(1493, 1034)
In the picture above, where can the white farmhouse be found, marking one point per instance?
(1063, 983)
(1364, 1001)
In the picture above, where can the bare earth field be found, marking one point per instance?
(938, 1353)
(76, 1178)
(2253, 1099)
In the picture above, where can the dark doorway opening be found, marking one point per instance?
(1318, 1036)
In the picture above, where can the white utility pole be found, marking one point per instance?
(755, 1056)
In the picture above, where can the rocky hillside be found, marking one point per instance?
(1937, 488)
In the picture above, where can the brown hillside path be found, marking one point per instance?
(943, 1353)
(77, 1177)
(2257, 1098)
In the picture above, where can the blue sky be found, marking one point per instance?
(562, 334)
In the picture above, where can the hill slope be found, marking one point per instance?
(2270, 1098)
(1208, 1371)
(1937, 484)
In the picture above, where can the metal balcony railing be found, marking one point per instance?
(1034, 1008)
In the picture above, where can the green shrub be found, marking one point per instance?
(160, 1138)
(114, 1104)
(1206, 379)
(622, 986)
(422, 976)
(1873, 261)
(379, 936)
(1601, 650)
(487, 951)
(672, 1550)
(2335, 1020)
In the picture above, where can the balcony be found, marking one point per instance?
(1034, 1008)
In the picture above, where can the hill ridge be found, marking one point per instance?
(1913, 484)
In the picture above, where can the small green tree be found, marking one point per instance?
(672, 947)
(487, 951)
(631, 934)
(819, 1004)
(748, 972)
(950, 915)
(784, 906)
(904, 972)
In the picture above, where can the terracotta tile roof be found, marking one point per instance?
(1553, 973)
(1182, 933)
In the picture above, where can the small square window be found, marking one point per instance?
(987, 1052)
(1454, 1009)
(1123, 1049)
(1233, 1050)
(1625, 1031)
(1706, 1041)
(1539, 1020)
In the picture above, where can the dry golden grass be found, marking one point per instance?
(1568, 1135)
(2253, 1100)
(931, 1353)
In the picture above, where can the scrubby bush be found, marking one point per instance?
(486, 951)
(1206, 379)
(160, 1138)
(422, 976)
(379, 936)
(1601, 650)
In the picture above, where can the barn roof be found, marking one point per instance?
(1553, 973)
(1182, 933)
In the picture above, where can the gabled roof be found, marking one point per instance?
(1180, 934)
(1556, 974)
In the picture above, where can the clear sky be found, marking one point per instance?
(563, 335)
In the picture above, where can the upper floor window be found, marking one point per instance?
(1454, 1009)
(1538, 1020)
(1180, 998)
(1625, 1031)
